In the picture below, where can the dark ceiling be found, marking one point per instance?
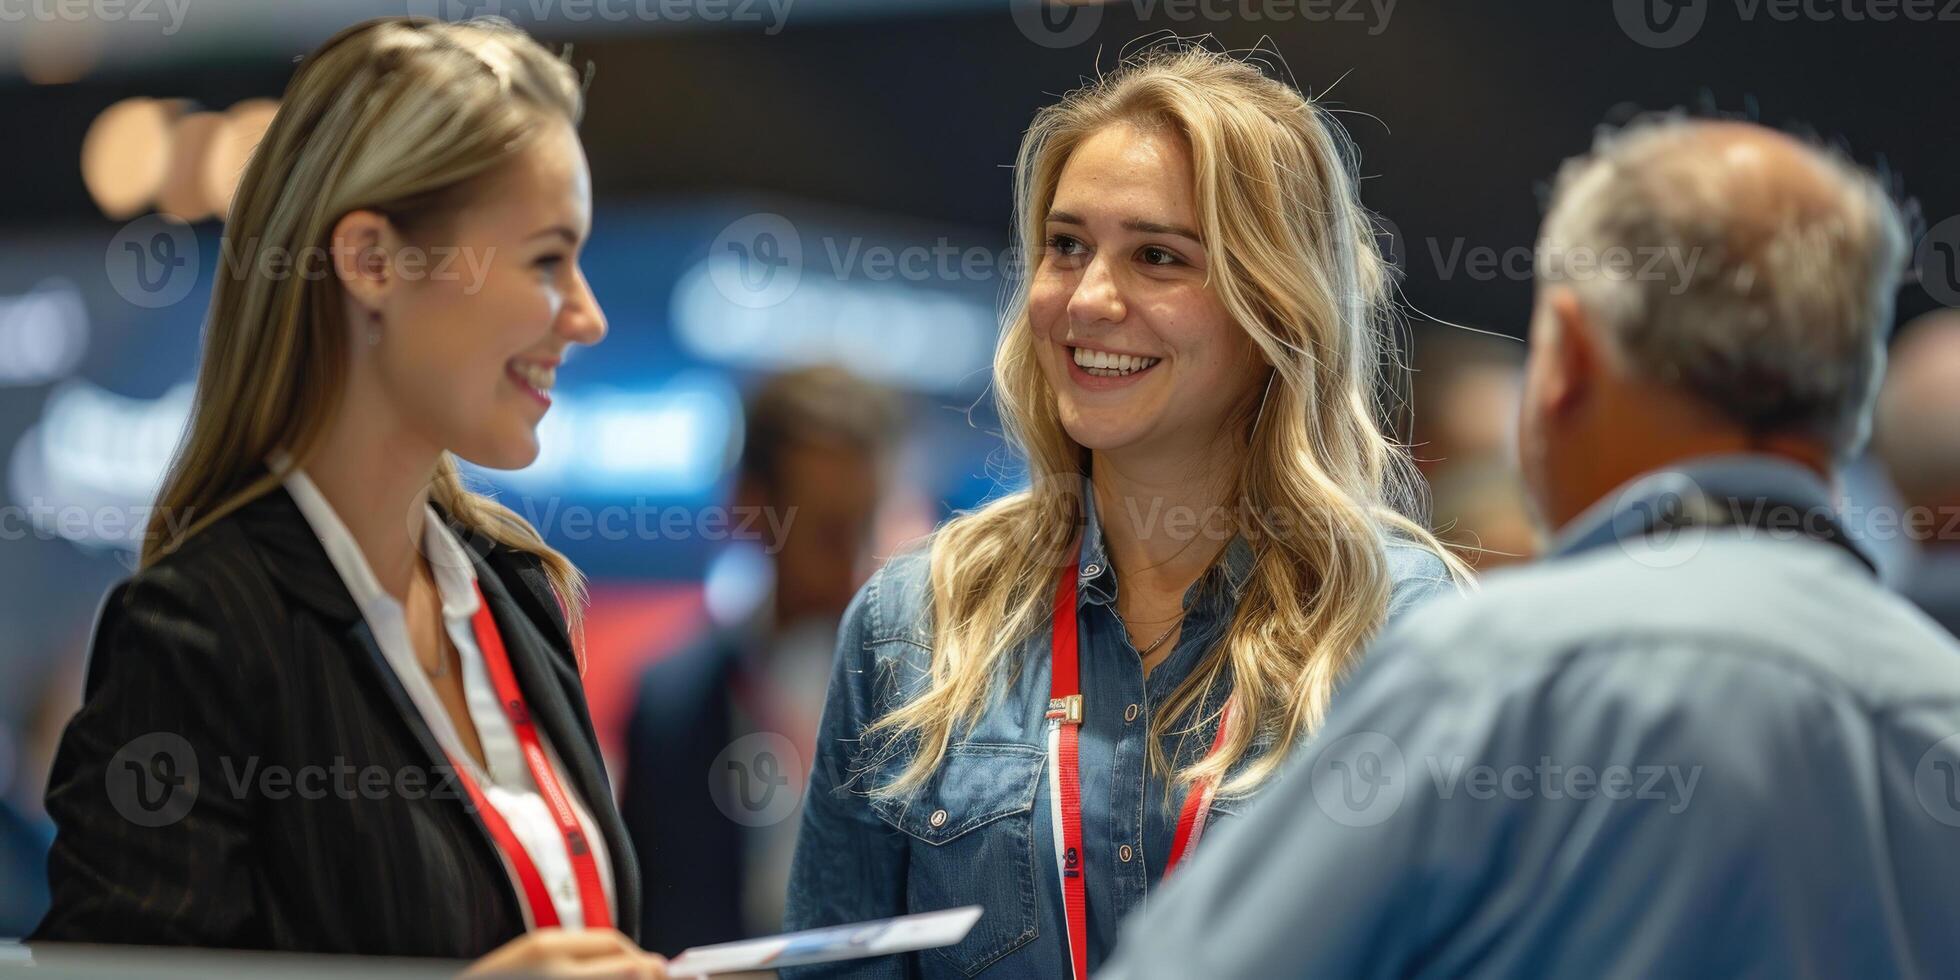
(1461, 110)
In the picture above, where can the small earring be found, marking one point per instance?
(374, 328)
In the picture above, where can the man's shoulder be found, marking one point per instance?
(1796, 615)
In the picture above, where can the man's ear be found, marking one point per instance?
(1573, 345)
(363, 245)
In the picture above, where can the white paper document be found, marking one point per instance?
(875, 938)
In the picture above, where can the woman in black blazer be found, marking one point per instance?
(339, 709)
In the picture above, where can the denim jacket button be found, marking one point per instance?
(1091, 570)
(1130, 713)
(939, 818)
(1124, 853)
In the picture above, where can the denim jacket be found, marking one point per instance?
(978, 832)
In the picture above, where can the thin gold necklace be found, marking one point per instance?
(1161, 637)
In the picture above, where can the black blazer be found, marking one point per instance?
(247, 771)
(690, 854)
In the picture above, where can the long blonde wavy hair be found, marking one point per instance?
(1295, 263)
(396, 115)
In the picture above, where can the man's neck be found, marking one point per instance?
(1692, 449)
(377, 478)
(1669, 430)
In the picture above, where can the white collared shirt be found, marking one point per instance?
(508, 785)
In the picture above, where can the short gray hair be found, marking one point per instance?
(1782, 326)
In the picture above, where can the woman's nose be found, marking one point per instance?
(581, 320)
(1097, 297)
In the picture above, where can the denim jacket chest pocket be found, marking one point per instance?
(971, 829)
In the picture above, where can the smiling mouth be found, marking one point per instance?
(1101, 364)
(534, 378)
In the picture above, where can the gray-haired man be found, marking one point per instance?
(1701, 739)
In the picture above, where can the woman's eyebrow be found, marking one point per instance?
(1158, 228)
(1132, 224)
(562, 231)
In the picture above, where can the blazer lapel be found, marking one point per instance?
(556, 698)
(535, 636)
(361, 637)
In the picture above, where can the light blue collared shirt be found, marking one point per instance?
(1687, 748)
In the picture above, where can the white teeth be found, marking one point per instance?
(536, 375)
(1106, 365)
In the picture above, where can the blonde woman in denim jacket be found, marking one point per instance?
(1215, 522)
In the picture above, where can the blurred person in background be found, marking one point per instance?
(1481, 511)
(815, 448)
(1918, 439)
(1041, 710)
(1467, 386)
(321, 599)
(1700, 738)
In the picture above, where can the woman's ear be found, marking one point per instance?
(363, 246)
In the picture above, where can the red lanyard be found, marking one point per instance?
(592, 896)
(1065, 776)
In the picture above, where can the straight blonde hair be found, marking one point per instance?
(1294, 261)
(402, 116)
